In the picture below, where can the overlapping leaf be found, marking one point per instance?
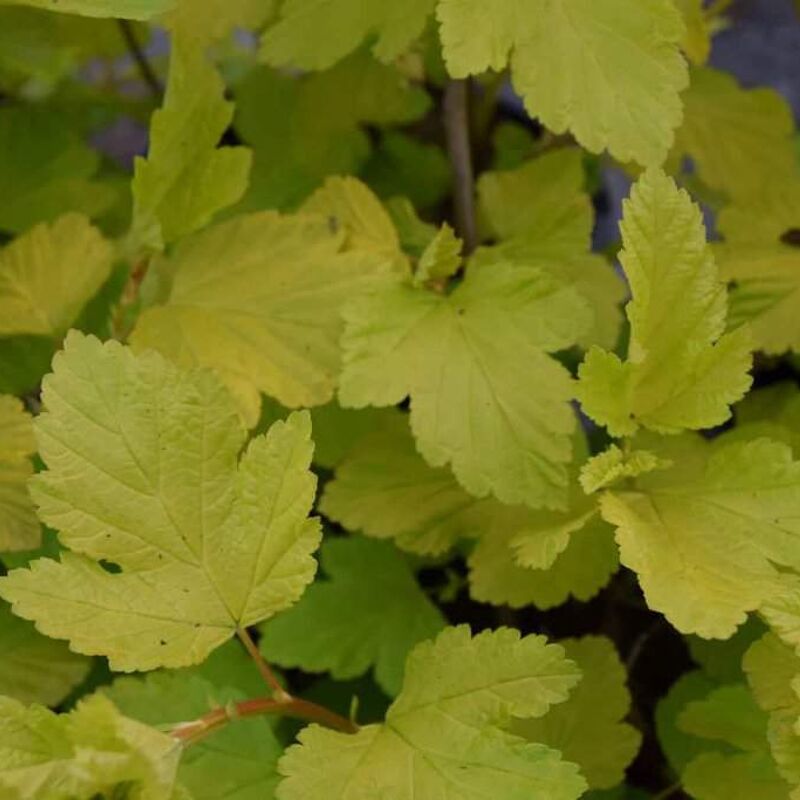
(736, 763)
(706, 535)
(315, 34)
(259, 298)
(618, 91)
(682, 370)
(46, 168)
(130, 9)
(588, 729)
(186, 178)
(543, 217)
(315, 123)
(143, 475)
(773, 672)
(737, 138)
(370, 612)
(48, 274)
(444, 734)
(35, 669)
(92, 751)
(19, 527)
(505, 431)
(238, 762)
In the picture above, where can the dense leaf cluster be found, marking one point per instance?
(331, 380)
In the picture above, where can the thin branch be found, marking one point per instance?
(456, 124)
(138, 55)
(267, 674)
(196, 730)
(664, 794)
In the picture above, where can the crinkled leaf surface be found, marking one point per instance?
(259, 298)
(443, 735)
(185, 178)
(48, 274)
(89, 752)
(19, 527)
(504, 431)
(682, 370)
(613, 465)
(705, 536)
(369, 612)
(588, 729)
(618, 91)
(315, 34)
(238, 762)
(142, 473)
(33, 668)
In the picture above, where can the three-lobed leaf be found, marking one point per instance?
(503, 430)
(682, 369)
(144, 476)
(445, 733)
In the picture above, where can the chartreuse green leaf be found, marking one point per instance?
(315, 122)
(497, 576)
(349, 205)
(143, 474)
(19, 527)
(736, 762)
(588, 729)
(46, 168)
(697, 38)
(506, 431)
(48, 274)
(609, 72)
(765, 291)
(91, 751)
(212, 20)
(543, 199)
(130, 9)
(315, 34)
(35, 669)
(185, 178)
(259, 298)
(369, 612)
(706, 535)
(542, 217)
(238, 762)
(441, 258)
(386, 489)
(613, 464)
(735, 137)
(682, 370)
(445, 734)
(773, 671)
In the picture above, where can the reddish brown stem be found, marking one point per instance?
(191, 732)
(266, 673)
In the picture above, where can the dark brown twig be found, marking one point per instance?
(137, 54)
(456, 124)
